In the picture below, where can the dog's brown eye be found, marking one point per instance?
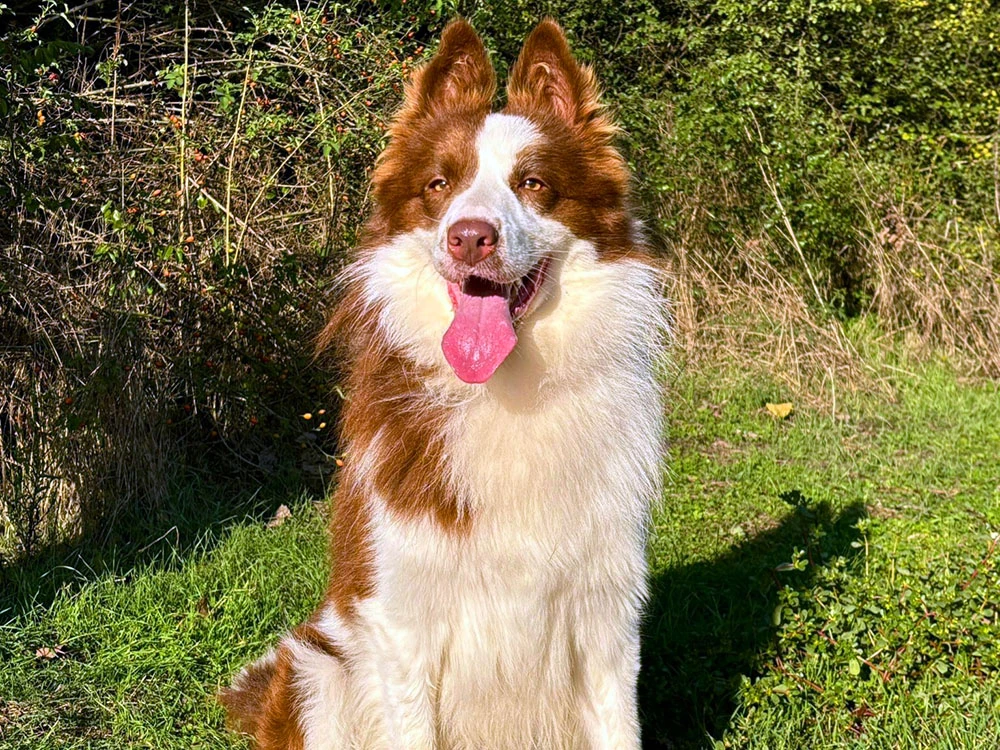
(438, 185)
(533, 184)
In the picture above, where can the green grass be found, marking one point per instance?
(818, 581)
(815, 575)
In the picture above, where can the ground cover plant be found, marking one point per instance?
(180, 184)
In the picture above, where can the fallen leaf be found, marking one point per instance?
(49, 653)
(281, 515)
(779, 411)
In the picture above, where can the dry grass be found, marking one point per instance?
(944, 296)
(925, 301)
(929, 293)
(751, 316)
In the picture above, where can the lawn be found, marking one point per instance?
(826, 579)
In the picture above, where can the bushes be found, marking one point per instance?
(822, 119)
(183, 187)
(176, 229)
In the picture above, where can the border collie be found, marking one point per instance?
(501, 326)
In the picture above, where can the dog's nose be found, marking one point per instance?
(471, 240)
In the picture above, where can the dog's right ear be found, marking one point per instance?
(459, 77)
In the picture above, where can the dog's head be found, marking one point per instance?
(501, 194)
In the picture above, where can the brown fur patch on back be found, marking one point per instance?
(279, 727)
(309, 634)
(245, 699)
(263, 700)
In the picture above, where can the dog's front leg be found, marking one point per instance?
(404, 686)
(607, 665)
(406, 702)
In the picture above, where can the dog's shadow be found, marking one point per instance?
(709, 623)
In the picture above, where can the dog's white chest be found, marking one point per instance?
(558, 499)
(489, 623)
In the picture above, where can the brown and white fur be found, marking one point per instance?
(488, 537)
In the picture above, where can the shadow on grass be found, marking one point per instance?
(709, 624)
(194, 518)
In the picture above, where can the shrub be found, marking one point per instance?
(820, 121)
(183, 188)
(183, 185)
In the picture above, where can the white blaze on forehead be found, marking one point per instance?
(490, 197)
(502, 138)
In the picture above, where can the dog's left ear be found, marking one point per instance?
(547, 80)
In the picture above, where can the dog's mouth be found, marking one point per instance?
(518, 294)
(482, 334)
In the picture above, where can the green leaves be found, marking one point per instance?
(851, 107)
(929, 629)
(173, 77)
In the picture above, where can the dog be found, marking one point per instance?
(501, 327)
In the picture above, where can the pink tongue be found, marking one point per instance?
(480, 337)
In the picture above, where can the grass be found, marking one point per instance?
(824, 580)
(817, 575)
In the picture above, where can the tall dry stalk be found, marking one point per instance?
(183, 227)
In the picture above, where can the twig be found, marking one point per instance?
(986, 557)
(996, 170)
(181, 228)
(329, 163)
(784, 214)
(43, 22)
(222, 209)
(832, 641)
(232, 158)
(779, 665)
(115, 57)
(274, 173)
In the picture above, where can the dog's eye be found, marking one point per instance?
(533, 184)
(438, 185)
